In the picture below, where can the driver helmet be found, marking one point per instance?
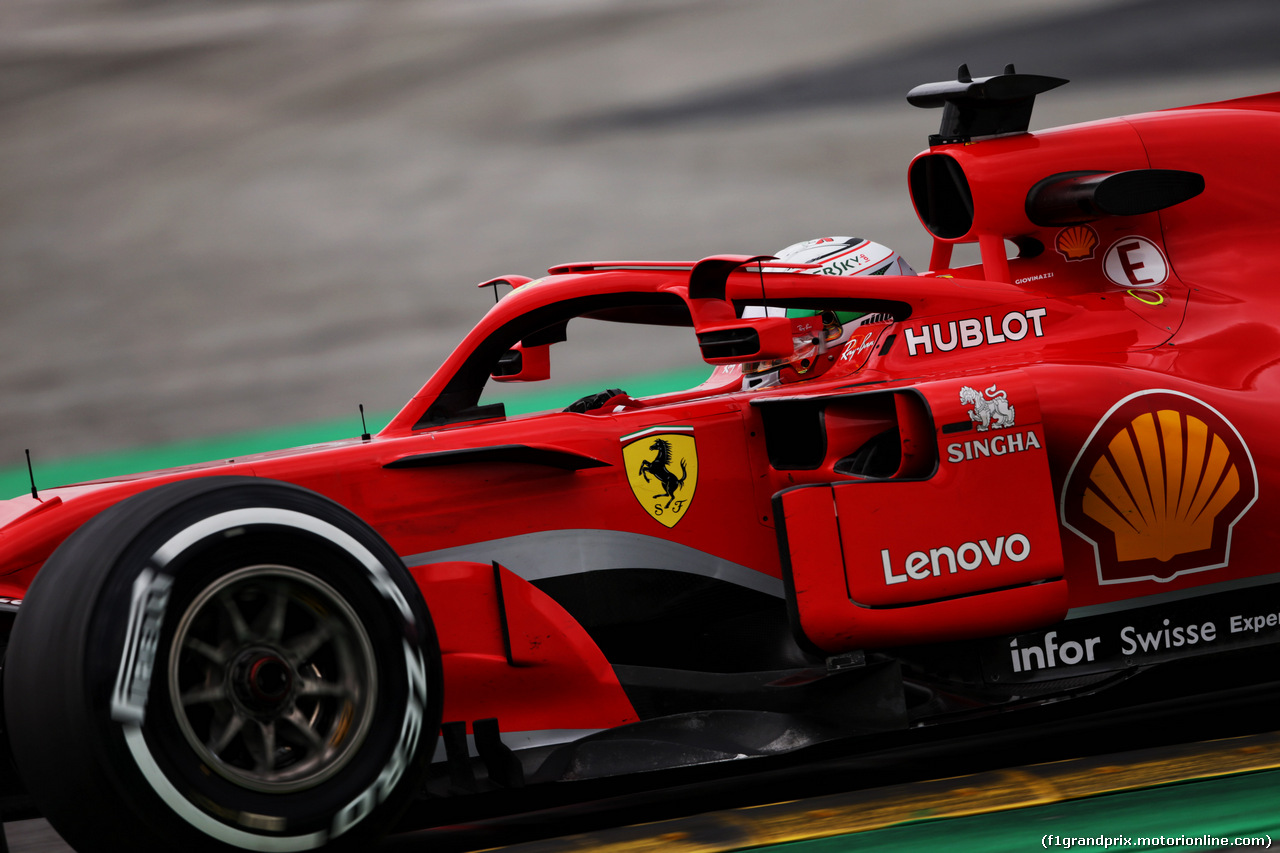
(814, 333)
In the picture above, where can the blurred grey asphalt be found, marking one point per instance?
(223, 216)
(228, 215)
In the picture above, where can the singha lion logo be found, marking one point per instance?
(658, 467)
(991, 408)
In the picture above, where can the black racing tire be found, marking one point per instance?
(224, 663)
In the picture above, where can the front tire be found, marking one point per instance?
(223, 663)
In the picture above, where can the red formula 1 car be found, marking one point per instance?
(903, 500)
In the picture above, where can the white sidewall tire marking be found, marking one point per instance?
(380, 787)
(284, 518)
(217, 830)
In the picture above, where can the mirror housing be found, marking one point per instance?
(755, 339)
(524, 364)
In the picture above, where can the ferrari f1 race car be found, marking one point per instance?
(898, 501)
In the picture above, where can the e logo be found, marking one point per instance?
(1135, 262)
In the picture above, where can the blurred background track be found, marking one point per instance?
(228, 216)
(244, 217)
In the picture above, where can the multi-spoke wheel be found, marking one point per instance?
(223, 663)
(272, 678)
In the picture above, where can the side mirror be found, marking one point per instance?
(757, 339)
(524, 364)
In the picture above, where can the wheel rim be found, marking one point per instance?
(272, 679)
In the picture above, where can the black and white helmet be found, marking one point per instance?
(846, 256)
(843, 256)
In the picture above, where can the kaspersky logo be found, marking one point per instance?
(1158, 487)
(662, 469)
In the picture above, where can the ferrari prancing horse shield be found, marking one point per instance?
(662, 468)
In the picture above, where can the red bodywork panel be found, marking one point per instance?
(1087, 424)
(923, 559)
(546, 661)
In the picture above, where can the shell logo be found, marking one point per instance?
(1077, 243)
(1158, 487)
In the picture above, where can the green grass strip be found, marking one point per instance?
(519, 398)
(1185, 816)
